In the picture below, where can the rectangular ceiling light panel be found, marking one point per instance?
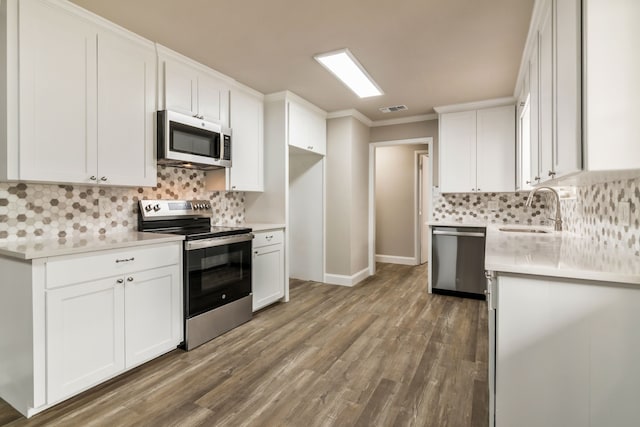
(346, 67)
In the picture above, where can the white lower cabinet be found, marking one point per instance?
(91, 317)
(99, 328)
(566, 352)
(85, 336)
(268, 268)
(152, 312)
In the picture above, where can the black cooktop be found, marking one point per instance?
(205, 233)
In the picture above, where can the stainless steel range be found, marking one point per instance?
(217, 266)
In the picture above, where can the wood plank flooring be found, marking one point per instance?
(383, 353)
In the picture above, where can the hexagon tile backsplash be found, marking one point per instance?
(50, 211)
(596, 215)
(474, 207)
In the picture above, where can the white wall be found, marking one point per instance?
(347, 196)
(395, 198)
(411, 130)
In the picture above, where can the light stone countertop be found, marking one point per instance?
(451, 223)
(263, 226)
(44, 248)
(558, 254)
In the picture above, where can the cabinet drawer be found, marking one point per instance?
(264, 238)
(95, 265)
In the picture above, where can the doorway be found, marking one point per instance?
(414, 221)
(423, 187)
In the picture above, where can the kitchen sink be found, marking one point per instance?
(524, 230)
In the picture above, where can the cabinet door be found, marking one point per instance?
(126, 107)
(458, 152)
(534, 102)
(567, 149)
(307, 129)
(611, 70)
(153, 313)
(268, 275)
(496, 145)
(213, 99)
(542, 353)
(57, 124)
(546, 95)
(247, 142)
(180, 87)
(85, 336)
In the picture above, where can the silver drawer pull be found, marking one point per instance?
(119, 281)
(268, 237)
(129, 279)
(125, 260)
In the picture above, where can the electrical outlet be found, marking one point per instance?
(624, 209)
(492, 205)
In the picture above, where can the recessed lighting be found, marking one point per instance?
(346, 67)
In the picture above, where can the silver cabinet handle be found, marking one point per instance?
(233, 187)
(527, 182)
(103, 179)
(477, 189)
(93, 178)
(129, 279)
(269, 237)
(537, 178)
(552, 174)
(310, 147)
(119, 281)
(125, 260)
(457, 233)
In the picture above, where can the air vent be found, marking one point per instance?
(393, 108)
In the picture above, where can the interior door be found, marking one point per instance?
(425, 182)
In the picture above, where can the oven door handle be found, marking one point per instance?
(218, 241)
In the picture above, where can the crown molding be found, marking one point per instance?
(350, 113)
(498, 102)
(403, 120)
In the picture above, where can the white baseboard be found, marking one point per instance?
(404, 260)
(338, 279)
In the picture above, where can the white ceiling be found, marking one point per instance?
(422, 53)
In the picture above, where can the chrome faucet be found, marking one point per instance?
(558, 219)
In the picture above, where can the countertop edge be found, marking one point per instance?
(257, 227)
(594, 276)
(154, 238)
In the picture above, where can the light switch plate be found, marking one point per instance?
(624, 210)
(492, 205)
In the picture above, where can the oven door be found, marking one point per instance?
(216, 275)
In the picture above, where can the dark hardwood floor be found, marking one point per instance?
(383, 353)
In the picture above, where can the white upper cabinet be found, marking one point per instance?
(582, 71)
(79, 98)
(57, 95)
(567, 155)
(545, 86)
(191, 88)
(496, 129)
(477, 147)
(247, 146)
(307, 127)
(458, 152)
(126, 111)
(612, 84)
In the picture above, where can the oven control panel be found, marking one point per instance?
(166, 209)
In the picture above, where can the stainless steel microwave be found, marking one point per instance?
(192, 142)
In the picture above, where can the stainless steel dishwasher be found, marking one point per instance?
(458, 261)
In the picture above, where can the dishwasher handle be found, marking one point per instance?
(458, 233)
